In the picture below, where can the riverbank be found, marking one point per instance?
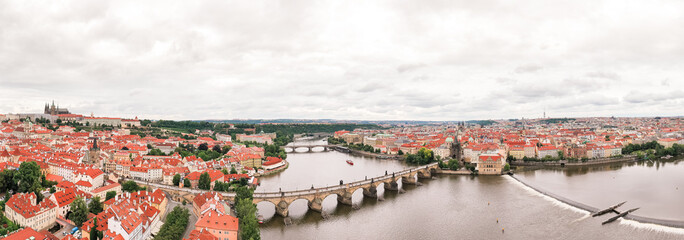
(452, 172)
(566, 163)
(376, 155)
(591, 209)
(274, 171)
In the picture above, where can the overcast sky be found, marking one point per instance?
(374, 60)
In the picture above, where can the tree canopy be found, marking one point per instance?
(186, 183)
(110, 195)
(95, 205)
(130, 186)
(176, 179)
(246, 212)
(204, 181)
(79, 212)
(424, 156)
(175, 224)
(28, 177)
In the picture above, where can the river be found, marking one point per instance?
(464, 207)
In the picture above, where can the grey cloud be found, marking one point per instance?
(605, 75)
(530, 68)
(643, 97)
(505, 80)
(665, 82)
(410, 67)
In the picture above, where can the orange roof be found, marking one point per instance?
(201, 234)
(22, 203)
(106, 187)
(492, 158)
(215, 220)
(24, 234)
(84, 183)
(272, 160)
(65, 197)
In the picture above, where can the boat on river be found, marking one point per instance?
(350, 162)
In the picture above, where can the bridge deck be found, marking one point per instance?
(293, 193)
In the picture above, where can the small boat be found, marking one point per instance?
(350, 162)
(260, 219)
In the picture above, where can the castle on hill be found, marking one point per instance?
(55, 110)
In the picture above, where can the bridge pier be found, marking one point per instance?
(410, 179)
(370, 192)
(310, 149)
(316, 204)
(282, 208)
(425, 174)
(392, 185)
(345, 198)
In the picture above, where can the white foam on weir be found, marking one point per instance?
(632, 223)
(651, 226)
(553, 201)
(582, 218)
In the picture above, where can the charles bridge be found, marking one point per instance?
(315, 196)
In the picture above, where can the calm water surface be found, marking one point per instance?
(449, 207)
(656, 187)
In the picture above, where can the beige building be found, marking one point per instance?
(490, 164)
(22, 208)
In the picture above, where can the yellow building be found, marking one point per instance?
(517, 152)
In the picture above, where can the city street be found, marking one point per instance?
(66, 229)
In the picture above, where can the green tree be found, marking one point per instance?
(224, 171)
(216, 148)
(454, 164)
(507, 167)
(93, 230)
(130, 186)
(110, 195)
(249, 227)
(232, 170)
(95, 205)
(243, 192)
(400, 152)
(204, 181)
(225, 149)
(28, 177)
(7, 181)
(176, 179)
(79, 212)
(156, 152)
(175, 224)
(186, 183)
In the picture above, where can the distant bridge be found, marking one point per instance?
(315, 196)
(326, 147)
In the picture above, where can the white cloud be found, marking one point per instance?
(432, 60)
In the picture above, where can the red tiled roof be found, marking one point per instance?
(24, 234)
(215, 220)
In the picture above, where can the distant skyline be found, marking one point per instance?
(349, 60)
